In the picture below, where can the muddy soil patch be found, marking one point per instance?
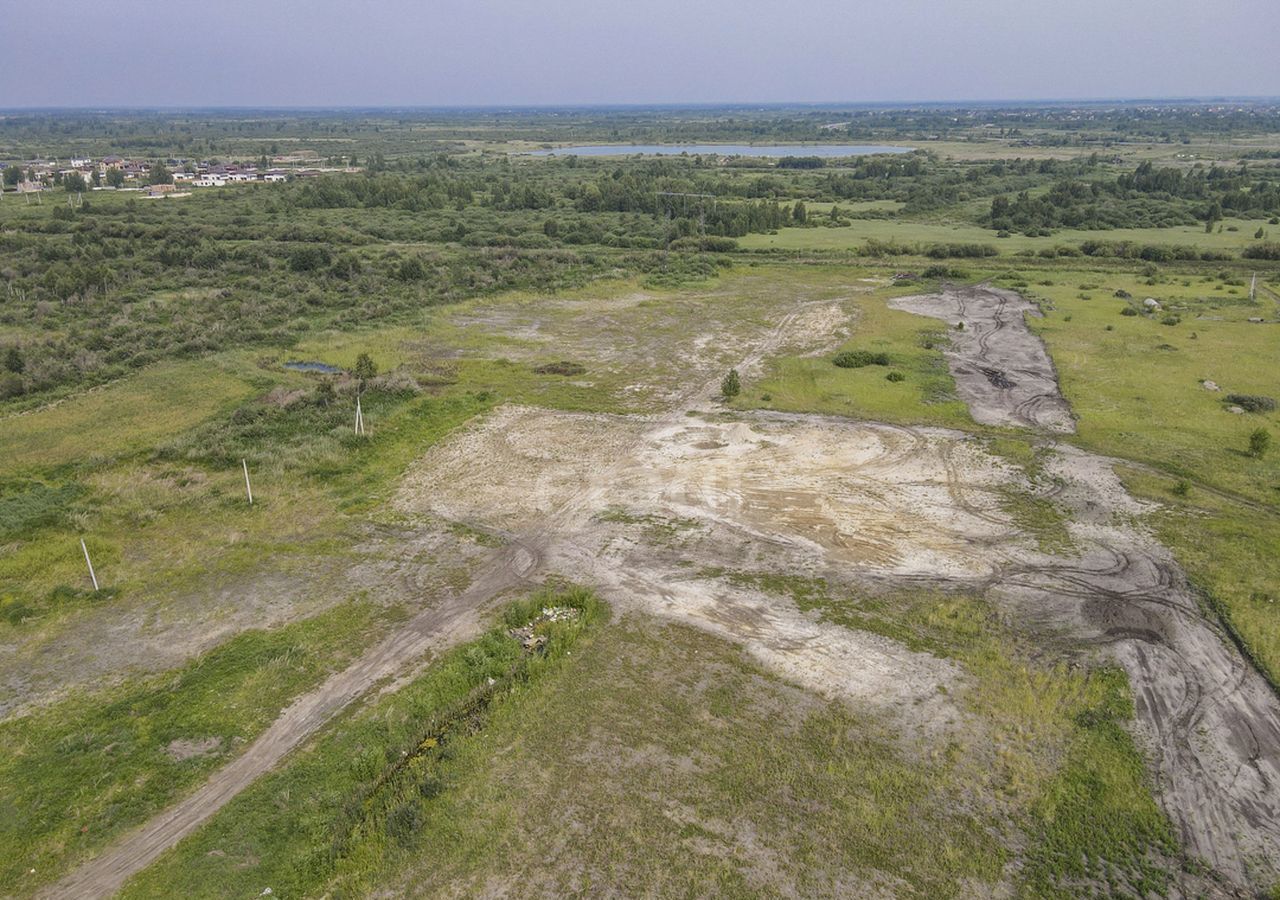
(1002, 371)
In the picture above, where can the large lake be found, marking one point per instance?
(823, 150)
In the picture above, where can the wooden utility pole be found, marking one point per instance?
(89, 563)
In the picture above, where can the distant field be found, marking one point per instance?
(856, 233)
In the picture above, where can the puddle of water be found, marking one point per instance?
(299, 365)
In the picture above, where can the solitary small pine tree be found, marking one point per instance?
(365, 369)
(1259, 443)
(13, 361)
(1259, 234)
(732, 385)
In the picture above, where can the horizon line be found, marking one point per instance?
(641, 105)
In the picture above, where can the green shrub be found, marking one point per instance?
(1253, 403)
(1266, 250)
(895, 377)
(856, 359)
(25, 506)
(564, 367)
(731, 386)
(1259, 443)
(404, 821)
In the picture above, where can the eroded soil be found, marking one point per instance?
(888, 505)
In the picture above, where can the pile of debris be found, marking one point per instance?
(998, 378)
(528, 635)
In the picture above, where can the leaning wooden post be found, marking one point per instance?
(89, 563)
(247, 488)
(359, 417)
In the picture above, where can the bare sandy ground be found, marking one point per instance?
(453, 621)
(906, 506)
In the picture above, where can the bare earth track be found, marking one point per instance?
(1209, 719)
(1002, 371)
(601, 498)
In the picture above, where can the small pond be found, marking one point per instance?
(298, 365)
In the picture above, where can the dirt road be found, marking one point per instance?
(1209, 720)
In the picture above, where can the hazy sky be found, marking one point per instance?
(460, 52)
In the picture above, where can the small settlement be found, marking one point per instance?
(116, 173)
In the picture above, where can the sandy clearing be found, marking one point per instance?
(908, 506)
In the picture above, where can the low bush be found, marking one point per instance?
(1267, 250)
(1254, 403)
(1259, 443)
(856, 359)
(959, 251)
(563, 367)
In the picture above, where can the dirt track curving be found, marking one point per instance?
(1002, 371)
(1208, 719)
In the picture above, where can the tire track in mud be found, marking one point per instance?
(455, 620)
(994, 342)
(1206, 718)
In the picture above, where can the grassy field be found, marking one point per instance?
(338, 813)
(1135, 382)
(858, 231)
(130, 415)
(141, 360)
(914, 346)
(1135, 385)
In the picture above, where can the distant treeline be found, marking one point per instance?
(1145, 198)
